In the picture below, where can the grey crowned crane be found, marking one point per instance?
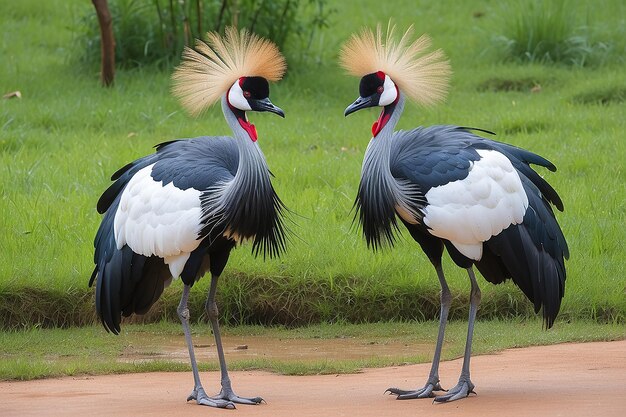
(477, 198)
(180, 211)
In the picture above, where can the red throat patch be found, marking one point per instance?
(250, 128)
(380, 123)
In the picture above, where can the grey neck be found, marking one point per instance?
(252, 165)
(247, 206)
(232, 121)
(379, 149)
(387, 132)
(381, 196)
(249, 187)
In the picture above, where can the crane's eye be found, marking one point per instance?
(247, 94)
(380, 89)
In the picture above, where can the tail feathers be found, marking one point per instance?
(127, 283)
(505, 256)
(539, 275)
(104, 308)
(150, 287)
(533, 254)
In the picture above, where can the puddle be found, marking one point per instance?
(254, 347)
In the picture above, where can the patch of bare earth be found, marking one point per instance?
(560, 380)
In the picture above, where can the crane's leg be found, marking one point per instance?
(227, 392)
(198, 392)
(465, 386)
(432, 384)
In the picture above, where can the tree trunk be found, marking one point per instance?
(107, 42)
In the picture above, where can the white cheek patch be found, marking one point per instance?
(236, 98)
(390, 93)
(468, 212)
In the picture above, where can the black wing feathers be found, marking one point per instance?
(198, 163)
(531, 253)
(127, 282)
(422, 157)
(121, 178)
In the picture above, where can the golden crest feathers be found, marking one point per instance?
(423, 76)
(207, 72)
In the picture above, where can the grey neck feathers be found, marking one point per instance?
(379, 148)
(247, 206)
(252, 173)
(380, 195)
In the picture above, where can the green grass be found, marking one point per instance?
(37, 353)
(60, 143)
(558, 32)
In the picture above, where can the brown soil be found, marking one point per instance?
(569, 379)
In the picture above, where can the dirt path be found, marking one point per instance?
(561, 380)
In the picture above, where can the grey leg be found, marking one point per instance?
(465, 386)
(432, 384)
(198, 392)
(227, 392)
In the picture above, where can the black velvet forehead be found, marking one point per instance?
(370, 82)
(258, 87)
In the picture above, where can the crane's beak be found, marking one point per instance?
(265, 104)
(360, 103)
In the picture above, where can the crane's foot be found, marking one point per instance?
(463, 389)
(200, 396)
(425, 392)
(227, 394)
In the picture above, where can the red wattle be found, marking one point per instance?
(250, 128)
(380, 123)
(375, 128)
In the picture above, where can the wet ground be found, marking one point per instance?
(252, 347)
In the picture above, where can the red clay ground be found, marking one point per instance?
(561, 380)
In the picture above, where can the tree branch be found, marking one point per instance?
(107, 42)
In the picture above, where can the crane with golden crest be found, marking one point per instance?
(180, 211)
(477, 198)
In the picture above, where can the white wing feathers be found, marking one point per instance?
(468, 212)
(153, 219)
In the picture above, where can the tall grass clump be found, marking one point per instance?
(155, 31)
(549, 32)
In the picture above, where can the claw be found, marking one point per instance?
(200, 396)
(217, 403)
(425, 392)
(461, 390)
(229, 395)
(248, 401)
